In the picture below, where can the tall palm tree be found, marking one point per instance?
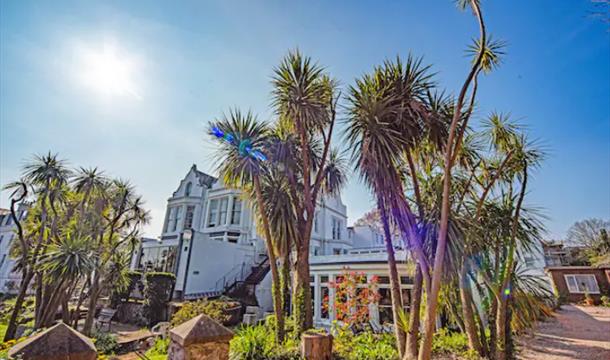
(305, 98)
(240, 136)
(387, 115)
(456, 130)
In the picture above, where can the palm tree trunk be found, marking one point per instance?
(93, 294)
(394, 280)
(11, 329)
(301, 298)
(468, 316)
(413, 334)
(285, 272)
(432, 301)
(275, 278)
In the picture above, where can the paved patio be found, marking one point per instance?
(576, 332)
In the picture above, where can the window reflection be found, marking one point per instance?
(161, 258)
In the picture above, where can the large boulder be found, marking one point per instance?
(59, 342)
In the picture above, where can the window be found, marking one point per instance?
(162, 258)
(529, 260)
(169, 218)
(178, 212)
(9, 220)
(316, 250)
(188, 219)
(213, 213)
(2, 262)
(1, 237)
(315, 223)
(582, 283)
(336, 251)
(336, 228)
(2, 219)
(233, 237)
(187, 190)
(222, 215)
(236, 212)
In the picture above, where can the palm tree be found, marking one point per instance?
(63, 263)
(456, 130)
(19, 194)
(240, 136)
(305, 99)
(387, 115)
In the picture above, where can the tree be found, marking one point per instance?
(454, 139)
(240, 136)
(305, 99)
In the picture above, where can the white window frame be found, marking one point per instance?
(236, 212)
(576, 290)
(212, 218)
(223, 211)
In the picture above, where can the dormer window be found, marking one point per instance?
(187, 190)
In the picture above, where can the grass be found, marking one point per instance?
(3, 327)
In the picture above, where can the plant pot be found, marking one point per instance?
(233, 315)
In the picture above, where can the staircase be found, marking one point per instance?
(244, 291)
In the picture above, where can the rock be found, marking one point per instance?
(59, 342)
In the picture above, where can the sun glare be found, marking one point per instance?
(108, 71)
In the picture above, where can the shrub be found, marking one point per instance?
(105, 343)
(120, 296)
(363, 346)
(605, 301)
(158, 288)
(158, 349)
(446, 342)
(258, 343)
(212, 308)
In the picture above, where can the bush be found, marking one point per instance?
(159, 348)
(605, 301)
(445, 342)
(212, 308)
(363, 346)
(157, 293)
(105, 343)
(119, 296)
(258, 343)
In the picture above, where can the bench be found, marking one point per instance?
(105, 317)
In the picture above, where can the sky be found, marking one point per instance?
(129, 86)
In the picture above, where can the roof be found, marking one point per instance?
(200, 329)
(4, 211)
(601, 267)
(54, 342)
(204, 179)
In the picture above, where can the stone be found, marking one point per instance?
(199, 338)
(59, 342)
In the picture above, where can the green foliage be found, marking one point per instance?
(105, 343)
(120, 295)
(364, 346)
(157, 293)
(212, 308)
(445, 342)
(159, 348)
(605, 301)
(26, 314)
(258, 343)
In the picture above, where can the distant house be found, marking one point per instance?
(574, 282)
(9, 280)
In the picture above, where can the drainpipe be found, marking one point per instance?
(187, 236)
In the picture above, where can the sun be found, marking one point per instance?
(108, 71)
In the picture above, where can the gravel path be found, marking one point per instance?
(576, 332)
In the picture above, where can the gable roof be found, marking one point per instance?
(56, 341)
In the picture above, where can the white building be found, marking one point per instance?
(209, 238)
(9, 280)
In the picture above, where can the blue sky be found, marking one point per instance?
(187, 62)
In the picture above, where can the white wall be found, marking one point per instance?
(212, 259)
